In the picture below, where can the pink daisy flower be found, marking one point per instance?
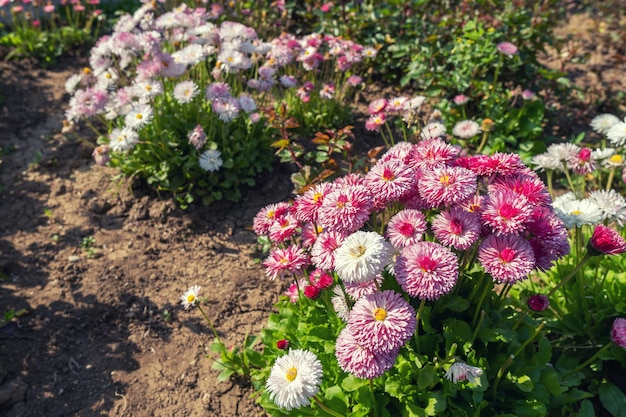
(406, 228)
(309, 234)
(382, 322)
(377, 106)
(618, 332)
(606, 241)
(447, 185)
(323, 251)
(527, 184)
(348, 180)
(548, 237)
(360, 289)
(507, 48)
(307, 205)
(474, 204)
(431, 153)
(582, 162)
(293, 292)
(359, 361)
(487, 165)
(506, 212)
(345, 210)
(311, 292)
(283, 228)
(321, 279)
(508, 258)
(266, 217)
(457, 228)
(374, 122)
(427, 270)
(399, 151)
(282, 261)
(389, 181)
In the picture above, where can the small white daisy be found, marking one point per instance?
(294, 379)
(210, 160)
(617, 133)
(123, 139)
(460, 371)
(362, 256)
(138, 116)
(340, 303)
(190, 297)
(185, 91)
(575, 213)
(603, 122)
(466, 129)
(611, 203)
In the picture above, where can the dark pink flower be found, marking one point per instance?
(606, 241)
(282, 344)
(311, 292)
(406, 228)
(447, 185)
(538, 302)
(508, 258)
(506, 211)
(457, 228)
(618, 332)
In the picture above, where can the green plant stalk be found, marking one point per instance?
(589, 361)
(485, 290)
(324, 407)
(478, 326)
(582, 262)
(210, 323)
(609, 181)
(483, 142)
(373, 397)
(569, 179)
(503, 369)
(549, 173)
(417, 325)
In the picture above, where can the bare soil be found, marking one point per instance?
(103, 332)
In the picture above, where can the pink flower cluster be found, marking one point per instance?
(381, 109)
(493, 205)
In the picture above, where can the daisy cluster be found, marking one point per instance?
(411, 219)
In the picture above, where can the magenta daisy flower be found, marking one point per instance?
(360, 361)
(400, 151)
(606, 241)
(548, 237)
(506, 211)
(527, 184)
(377, 106)
(307, 205)
(389, 181)
(447, 185)
(282, 261)
(361, 289)
(498, 163)
(430, 153)
(345, 210)
(427, 270)
(283, 228)
(382, 322)
(406, 228)
(323, 251)
(321, 279)
(508, 258)
(618, 332)
(457, 228)
(267, 216)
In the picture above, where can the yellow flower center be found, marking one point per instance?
(139, 116)
(380, 314)
(191, 298)
(444, 180)
(291, 374)
(616, 159)
(576, 212)
(358, 251)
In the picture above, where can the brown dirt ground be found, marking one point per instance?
(94, 339)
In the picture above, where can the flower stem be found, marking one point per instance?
(589, 361)
(210, 323)
(324, 407)
(417, 325)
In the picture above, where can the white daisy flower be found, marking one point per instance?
(603, 122)
(547, 163)
(611, 203)
(340, 303)
(190, 298)
(362, 256)
(575, 213)
(72, 83)
(147, 89)
(294, 379)
(600, 154)
(124, 139)
(210, 160)
(138, 116)
(185, 92)
(460, 371)
(615, 161)
(563, 151)
(433, 130)
(466, 129)
(617, 133)
(189, 55)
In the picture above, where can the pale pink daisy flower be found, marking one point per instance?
(396, 104)
(101, 155)
(431, 153)
(349, 180)
(433, 130)
(355, 80)
(288, 81)
(406, 228)
(399, 151)
(323, 251)
(507, 48)
(457, 228)
(282, 261)
(605, 241)
(346, 209)
(327, 91)
(197, 137)
(427, 270)
(382, 322)
(309, 234)
(389, 181)
(362, 256)
(375, 121)
(506, 211)
(267, 216)
(226, 109)
(459, 371)
(361, 289)
(508, 258)
(447, 185)
(466, 129)
(460, 99)
(307, 205)
(528, 94)
(190, 297)
(474, 204)
(618, 332)
(377, 106)
(293, 291)
(359, 361)
(340, 303)
(283, 228)
(581, 163)
(218, 91)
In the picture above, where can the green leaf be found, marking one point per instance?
(352, 383)
(436, 403)
(613, 399)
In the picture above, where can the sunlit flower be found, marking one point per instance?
(576, 213)
(358, 290)
(603, 122)
(459, 371)
(581, 163)
(190, 297)
(611, 203)
(466, 129)
(138, 116)
(360, 361)
(508, 258)
(431, 153)
(447, 185)
(307, 205)
(282, 261)
(185, 91)
(123, 139)
(460, 99)
(457, 228)
(507, 48)
(324, 248)
(427, 270)
(617, 133)
(340, 303)
(267, 215)
(362, 256)
(506, 211)
(606, 241)
(389, 181)
(101, 155)
(210, 160)
(346, 209)
(406, 228)
(294, 379)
